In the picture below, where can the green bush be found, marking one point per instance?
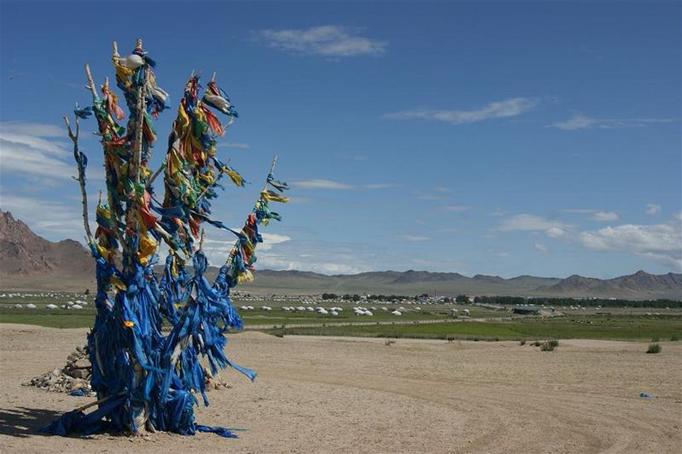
(548, 346)
(654, 348)
(522, 342)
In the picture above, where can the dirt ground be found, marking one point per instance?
(360, 395)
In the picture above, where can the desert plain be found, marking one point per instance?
(333, 394)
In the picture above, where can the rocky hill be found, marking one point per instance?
(30, 262)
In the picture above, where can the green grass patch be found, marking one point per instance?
(587, 327)
(54, 319)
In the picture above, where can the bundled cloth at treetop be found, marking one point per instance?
(146, 379)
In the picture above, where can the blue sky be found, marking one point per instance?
(478, 137)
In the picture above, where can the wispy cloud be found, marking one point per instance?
(499, 109)
(419, 195)
(33, 129)
(660, 242)
(580, 121)
(218, 248)
(241, 146)
(456, 208)
(378, 186)
(53, 220)
(25, 148)
(319, 183)
(595, 215)
(326, 40)
(540, 247)
(531, 223)
(652, 209)
(414, 238)
(327, 257)
(605, 216)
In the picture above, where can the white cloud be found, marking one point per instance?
(25, 149)
(652, 209)
(218, 247)
(33, 129)
(555, 232)
(661, 242)
(378, 186)
(52, 220)
(580, 121)
(281, 262)
(241, 146)
(530, 223)
(321, 184)
(605, 216)
(499, 109)
(270, 239)
(414, 238)
(596, 215)
(579, 210)
(540, 247)
(327, 40)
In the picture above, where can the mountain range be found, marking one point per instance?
(30, 262)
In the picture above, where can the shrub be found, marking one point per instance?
(522, 342)
(536, 344)
(547, 346)
(654, 348)
(554, 343)
(451, 338)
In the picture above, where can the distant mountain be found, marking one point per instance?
(28, 261)
(638, 285)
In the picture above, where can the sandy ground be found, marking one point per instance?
(360, 395)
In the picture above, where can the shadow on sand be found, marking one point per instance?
(24, 422)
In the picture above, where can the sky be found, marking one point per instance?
(502, 138)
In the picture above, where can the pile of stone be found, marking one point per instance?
(73, 378)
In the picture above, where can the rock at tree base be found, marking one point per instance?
(75, 375)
